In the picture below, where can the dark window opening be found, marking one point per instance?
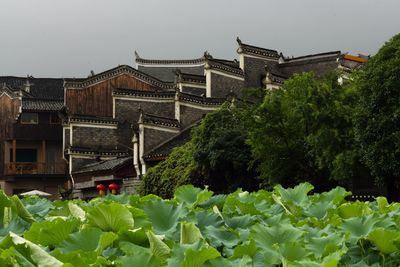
(54, 119)
(29, 118)
(26, 155)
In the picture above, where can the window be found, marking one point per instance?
(29, 118)
(26, 155)
(54, 119)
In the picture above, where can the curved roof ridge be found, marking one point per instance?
(194, 61)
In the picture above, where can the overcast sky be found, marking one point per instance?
(68, 38)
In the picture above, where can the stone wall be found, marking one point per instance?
(129, 109)
(222, 85)
(154, 137)
(94, 137)
(254, 71)
(189, 115)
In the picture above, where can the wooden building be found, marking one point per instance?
(31, 135)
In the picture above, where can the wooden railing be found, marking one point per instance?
(34, 168)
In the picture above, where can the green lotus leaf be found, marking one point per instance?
(51, 233)
(354, 209)
(141, 259)
(110, 217)
(76, 211)
(157, 246)
(266, 236)
(190, 233)
(21, 210)
(190, 195)
(359, 227)
(37, 254)
(297, 194)
(196, 258)
(163, 216)
(384, 239)
(292, 251)
(38, 207)
(221, 237)
(205, 218)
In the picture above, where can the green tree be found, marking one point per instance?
(303, 132)
(217, 156)
(220, 150)
(377, 122)
(178, 169)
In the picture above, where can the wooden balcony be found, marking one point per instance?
(17, 168)
(38, 132)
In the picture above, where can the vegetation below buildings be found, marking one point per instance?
(311, 129)
(282, 227)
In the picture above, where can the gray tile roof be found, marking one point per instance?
(43, 88)
(105, 165)
(140, 93)
(158, 120)
(209, 101)
(229, 66)
(255, 50)
(33, 104)
(190, 78)
(81, 83)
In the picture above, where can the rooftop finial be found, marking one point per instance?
(238, 40)
(137, 54)
(207, 55)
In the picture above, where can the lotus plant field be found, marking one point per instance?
(284, 227)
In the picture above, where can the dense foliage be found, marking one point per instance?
(311, 129)
(378, 115)
(217, 156)
(285, 227)
(304, 132)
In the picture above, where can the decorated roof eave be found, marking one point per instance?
(150, 94)
(160, 121)
(123, 69)
(89, 152)
(93, 120)
(213, 65)
(196, 61)
(256, 51)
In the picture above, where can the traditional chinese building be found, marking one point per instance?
(117, 123)
(31, 135)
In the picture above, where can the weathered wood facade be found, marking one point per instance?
(31, 135)
(9, 111)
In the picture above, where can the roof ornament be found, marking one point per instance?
(207, 55)
(281, 58)
(238, 40)
(27, 86)
(137, 54)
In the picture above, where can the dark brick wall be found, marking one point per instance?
(95, 137)
(168, 73)
(66, 138)
(77, 163)
(153, 137)
(189, 115)
(129, 110)
(319, 68)
(254, 71)
(222, 85)
(194, 91)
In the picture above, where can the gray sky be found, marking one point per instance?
(68, 38)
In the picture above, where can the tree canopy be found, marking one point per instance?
(303, 132)
(377, 120)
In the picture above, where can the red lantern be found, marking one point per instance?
(101, 189)
(114, 188)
